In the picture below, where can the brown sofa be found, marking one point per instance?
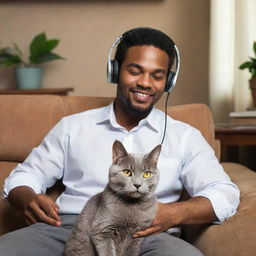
(24, 121)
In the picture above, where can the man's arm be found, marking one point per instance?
(197, 210)
(26, 185)
(35, 207)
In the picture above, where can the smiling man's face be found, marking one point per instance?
(142, 79)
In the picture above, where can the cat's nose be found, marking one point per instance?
(137, 186)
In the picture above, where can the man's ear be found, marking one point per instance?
(118, 151)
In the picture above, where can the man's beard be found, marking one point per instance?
(136, 111)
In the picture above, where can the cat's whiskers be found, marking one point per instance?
(118, 195)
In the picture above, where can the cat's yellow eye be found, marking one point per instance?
(127, 173)
(147, 175)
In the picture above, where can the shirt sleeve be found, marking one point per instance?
(43, 166)
(202, 175)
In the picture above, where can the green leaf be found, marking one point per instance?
(37, 41)
(51, 44)
(253, 73)
(6, 50)
(40, 45)
(8, 63)
(253, 60)
(44, 48)
(246, 64)
(36, 44)
(8, 58)
(40, 51)
(254, 47)
(47, 57)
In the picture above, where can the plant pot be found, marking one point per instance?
(29, 77)
(253, 90)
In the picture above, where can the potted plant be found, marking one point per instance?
(251, 66)
(28, 73)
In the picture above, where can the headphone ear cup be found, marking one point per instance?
(115, 71)
(169, 81)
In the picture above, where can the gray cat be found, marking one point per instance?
(127, 204)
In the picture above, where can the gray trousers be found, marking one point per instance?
(45, 240)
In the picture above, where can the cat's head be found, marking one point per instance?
(133, 175)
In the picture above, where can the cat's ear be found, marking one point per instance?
(118, 151)
(154, 155)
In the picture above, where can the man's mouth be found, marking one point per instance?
(141, 96)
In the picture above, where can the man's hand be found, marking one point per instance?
(161, 223)
(197, 210)
(41, 208)
(35, 207)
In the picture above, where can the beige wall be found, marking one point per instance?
(87, 29)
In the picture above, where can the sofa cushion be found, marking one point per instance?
(24, 121)
(198, 116)
(76, 104)
(29, 118)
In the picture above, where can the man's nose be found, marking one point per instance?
(144, 81)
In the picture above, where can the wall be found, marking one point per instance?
(87, 29)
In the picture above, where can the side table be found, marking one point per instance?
(235, 139)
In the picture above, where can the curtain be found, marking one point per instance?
(232, 33)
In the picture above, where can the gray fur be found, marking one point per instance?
(110, 218)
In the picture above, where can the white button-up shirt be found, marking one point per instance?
(78, 150)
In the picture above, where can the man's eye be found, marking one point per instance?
(127, 173)
(134, 72)
(158, 77)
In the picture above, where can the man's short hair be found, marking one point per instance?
(144, 36)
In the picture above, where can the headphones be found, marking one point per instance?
(113, 67)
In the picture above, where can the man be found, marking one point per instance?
(78, 150)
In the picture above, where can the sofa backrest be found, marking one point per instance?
(26, 119)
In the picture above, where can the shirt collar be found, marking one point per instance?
(108, 115)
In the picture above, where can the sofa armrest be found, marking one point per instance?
(236, 236)
(11, 219)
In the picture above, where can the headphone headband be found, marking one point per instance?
(113, 68)
(109, 65)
